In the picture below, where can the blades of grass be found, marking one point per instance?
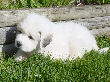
(23, 3)
(103, 1)
(35, 4)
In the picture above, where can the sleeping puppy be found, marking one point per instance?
(64, 40)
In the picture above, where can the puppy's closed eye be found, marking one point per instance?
(30, 37)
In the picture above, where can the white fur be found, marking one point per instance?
(61, 40)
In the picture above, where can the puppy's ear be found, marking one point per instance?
(46, 41)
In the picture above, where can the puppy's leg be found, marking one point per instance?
(20, 56)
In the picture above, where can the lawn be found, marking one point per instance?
(15, 4)
(93, 67)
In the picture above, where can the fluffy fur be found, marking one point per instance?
(61, 40)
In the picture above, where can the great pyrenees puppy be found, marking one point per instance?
(63, 40)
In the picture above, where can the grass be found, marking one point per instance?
(10, 4)
(33, 3)
(93, 67)
(97, 2)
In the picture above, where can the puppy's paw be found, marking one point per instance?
(20, 58)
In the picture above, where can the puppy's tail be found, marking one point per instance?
(103, 50)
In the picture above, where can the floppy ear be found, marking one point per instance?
(46, 41)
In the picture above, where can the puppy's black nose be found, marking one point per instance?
(18, 44)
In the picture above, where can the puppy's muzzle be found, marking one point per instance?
(18, 44)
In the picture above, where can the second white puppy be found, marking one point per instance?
(60, 41)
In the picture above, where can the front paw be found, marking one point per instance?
(20, 58)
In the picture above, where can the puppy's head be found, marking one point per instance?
(29, 32)
(28, 35)
(27, 42)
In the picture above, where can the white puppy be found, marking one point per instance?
(60, 41)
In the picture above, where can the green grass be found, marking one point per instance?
(97, 2)
(44, 3)
(33, 3)
(93, 67)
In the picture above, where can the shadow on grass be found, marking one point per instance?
(9, 48)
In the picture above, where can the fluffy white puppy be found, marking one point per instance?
(61, 40)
